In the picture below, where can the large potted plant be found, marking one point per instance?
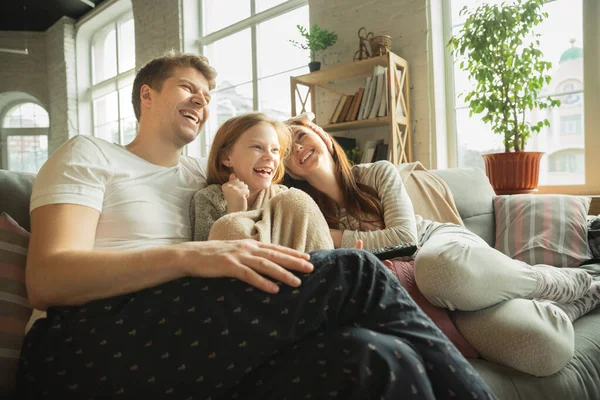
(317, 39)
(499, 49)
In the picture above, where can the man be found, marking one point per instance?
(71, 229)
(110, 259)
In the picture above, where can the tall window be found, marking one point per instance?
(248, 44)
(562, 38)
(25, 128)
(113, 63)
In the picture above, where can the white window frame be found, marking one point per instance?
(111, 14)
(251, 23)
(6, 132)
(591, 93)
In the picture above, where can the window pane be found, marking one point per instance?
(104, 55)
(274, 94)
(126, 46)
(40, 117)
(563, 142)
(27, 115)
(226, 104)
(275, 52)
(217, 15)
(232, 58)
(262, 5)
(474, 139)
(106, 117)
(27, 153)
(128, 121)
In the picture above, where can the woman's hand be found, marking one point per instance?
(236, 194)
(247, 260)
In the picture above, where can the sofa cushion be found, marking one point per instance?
(14, 307)
(15, 192)
(473, 196)
(543, 228)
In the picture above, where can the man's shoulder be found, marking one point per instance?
(197, 166)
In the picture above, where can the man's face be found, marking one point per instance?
(181, 107)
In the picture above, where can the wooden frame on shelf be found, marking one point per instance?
(398, 99)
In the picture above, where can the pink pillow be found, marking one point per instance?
(543, 228)
(404, 269)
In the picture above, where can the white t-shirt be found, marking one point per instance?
(141, 205)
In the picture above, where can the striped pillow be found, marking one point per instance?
(543, 229)
(14, 307)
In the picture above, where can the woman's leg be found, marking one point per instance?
(531, 336)
(352, 363)
(198, 337)
(458, 270)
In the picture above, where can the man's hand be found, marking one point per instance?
(236, 194)
(248, 260)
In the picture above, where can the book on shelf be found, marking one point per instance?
(352, 115)
(369, 150)
(382, 112)
(381, 152)
(379, 90)
(344, 113)
(377, 70)
(338, 109)
(363, 102)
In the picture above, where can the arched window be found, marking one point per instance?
(25, 132)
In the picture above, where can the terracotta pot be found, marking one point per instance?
(511, 173)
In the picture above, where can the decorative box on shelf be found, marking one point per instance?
(381, 100)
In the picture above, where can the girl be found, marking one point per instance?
(370, 202)
(243, 199)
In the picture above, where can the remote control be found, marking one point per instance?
(399, 250)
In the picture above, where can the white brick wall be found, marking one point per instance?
(62, 90)
(157, 28)
(406, 22)
(24, 73)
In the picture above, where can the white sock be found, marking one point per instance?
(561, 285)
(582, 305)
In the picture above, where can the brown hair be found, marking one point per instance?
(230, 132)
(360, 201)
(157, 71)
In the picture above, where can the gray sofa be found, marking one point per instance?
(579, 380)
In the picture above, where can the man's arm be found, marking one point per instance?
(63, 268)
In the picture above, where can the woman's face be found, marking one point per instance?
(308, 154)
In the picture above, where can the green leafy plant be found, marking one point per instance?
(499, 49)
(317, 39)
(353, 155)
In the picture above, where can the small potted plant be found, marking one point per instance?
(317, 39)
(499, 49)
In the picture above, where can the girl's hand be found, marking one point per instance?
(236, 194)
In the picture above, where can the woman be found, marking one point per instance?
(454, 268)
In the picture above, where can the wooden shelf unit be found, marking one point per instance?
(400, 146)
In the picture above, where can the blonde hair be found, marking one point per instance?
(230, 132)
(157, 71)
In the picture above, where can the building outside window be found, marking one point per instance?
(248, 44)
(562, 38)
(25, 127)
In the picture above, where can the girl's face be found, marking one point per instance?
(309, 153)
(254, 157)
